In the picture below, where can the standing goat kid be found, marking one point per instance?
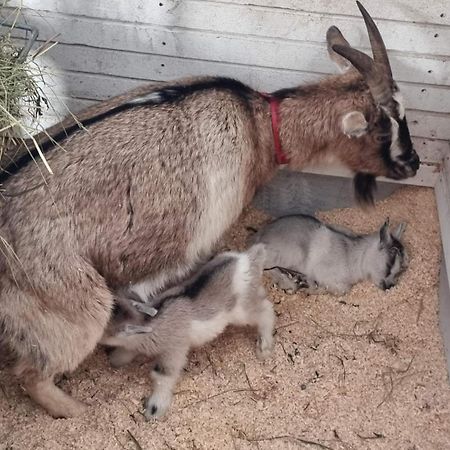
(228, 290)
(152, 185)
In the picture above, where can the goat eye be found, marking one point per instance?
(394, 251)
(383, 138)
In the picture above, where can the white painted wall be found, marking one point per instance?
(109, 46)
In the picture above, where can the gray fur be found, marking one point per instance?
(332, 258)
(228, 290)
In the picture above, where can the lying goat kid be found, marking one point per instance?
(331, 258)
(227, 290)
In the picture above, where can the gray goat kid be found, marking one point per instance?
(327, 258)
(228, 290)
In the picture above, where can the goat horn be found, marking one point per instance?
(376, 41)
(372, 73)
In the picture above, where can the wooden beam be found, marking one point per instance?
(427, 175)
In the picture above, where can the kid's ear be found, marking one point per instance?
(398, 232)
(385, 235)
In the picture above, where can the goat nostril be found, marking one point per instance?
(415, 161)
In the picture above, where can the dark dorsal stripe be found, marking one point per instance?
(315, 89)
(167, 95)
(193, 289)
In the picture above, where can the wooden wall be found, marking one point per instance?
(108, 46)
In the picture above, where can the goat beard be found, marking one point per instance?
(365, 186)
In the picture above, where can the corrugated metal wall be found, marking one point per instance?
(109, 46)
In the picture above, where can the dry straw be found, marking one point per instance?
(22, 98)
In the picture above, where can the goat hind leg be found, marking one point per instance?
(58, 404)
(47, 341)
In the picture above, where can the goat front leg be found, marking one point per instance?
(266, 324)
(165, 374)
(281, 280)
(338, 289)
(290, 281)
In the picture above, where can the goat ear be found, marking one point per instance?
(334, 36)
(354, 124)
(385, 235)
(398, 232)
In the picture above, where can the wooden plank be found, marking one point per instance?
(431, 150)
(442, 191)
(62, 107)
(291, 192)
(444, 306)
(426, 98)
(138, 66)
(243, 50)
(426, 176)
(65, 104)
(429, 124)
(431, 12)
(245, 19)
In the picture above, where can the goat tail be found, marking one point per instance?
(257, 255)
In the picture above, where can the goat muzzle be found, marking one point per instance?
(405, 169)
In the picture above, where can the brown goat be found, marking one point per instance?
(147, 191)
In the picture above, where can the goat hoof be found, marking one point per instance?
(70, 408)
(263, 349)
(156, 408)
(76, 409)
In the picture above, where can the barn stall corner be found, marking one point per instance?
(142, 141)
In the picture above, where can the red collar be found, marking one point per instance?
(274, 104)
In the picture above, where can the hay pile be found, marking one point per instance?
(22, 83)
(21, 96)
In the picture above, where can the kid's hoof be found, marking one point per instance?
(156, 408)
(263, 349)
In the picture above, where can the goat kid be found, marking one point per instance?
(327, 258)
(228, 290)
(153, 184)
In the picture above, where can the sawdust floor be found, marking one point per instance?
(365, 371)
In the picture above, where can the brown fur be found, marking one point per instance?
(311, 121)
(146, 194)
